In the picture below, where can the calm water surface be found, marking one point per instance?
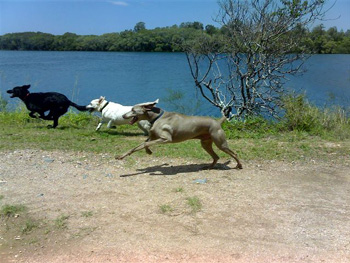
(130, 78)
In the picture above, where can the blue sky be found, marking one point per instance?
(105, 16)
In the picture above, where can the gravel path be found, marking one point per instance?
(92, 208)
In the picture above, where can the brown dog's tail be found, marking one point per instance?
(222, 120)
(225, 115)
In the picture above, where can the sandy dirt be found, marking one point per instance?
(92, 208)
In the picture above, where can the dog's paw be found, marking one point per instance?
(148, 151)
(239, 166)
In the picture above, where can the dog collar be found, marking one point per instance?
(104, 106)
(153, 121)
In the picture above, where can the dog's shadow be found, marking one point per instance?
(121, 133)
(168, 170)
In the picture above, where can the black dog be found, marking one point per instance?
(41, 102)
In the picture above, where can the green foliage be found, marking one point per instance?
(304, 132)
(3, 103)
(87, 214)
(166, 209)
(195, 203)
(251, 127)
(61, 221)
(300, 115)
(29, 226)
(12, 210)
(167, 39)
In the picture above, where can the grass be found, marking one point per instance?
(305, 132)
(166, 208)
(12, 210)
(61, 222)
(195, 204)
(87, 214)
(179, 190)
(29, 226)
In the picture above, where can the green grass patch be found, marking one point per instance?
(304, 132)
(194, 203)
(61, 222)
(29, 226)
(165, 209)
(12, 210)
(87, 214)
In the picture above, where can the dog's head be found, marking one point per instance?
(20, 92)
(96, 105)
(140, 111)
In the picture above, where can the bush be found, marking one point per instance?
(301, 115)
(251, 127)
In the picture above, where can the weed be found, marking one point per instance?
(194, 203)
(1, 197)
(166, 209)
(87, 214)
(12, 210)
(29, 226)
(179, 190)
(61, 222)
(3, 103)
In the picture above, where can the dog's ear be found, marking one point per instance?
(101, 99)
(26, 86)
(148, 106)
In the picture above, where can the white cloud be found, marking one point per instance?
(119, 3)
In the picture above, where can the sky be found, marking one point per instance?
(97, 17)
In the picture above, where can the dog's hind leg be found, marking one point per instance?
(55, 115)
(208, 147)
(109, 124)
(220, 141)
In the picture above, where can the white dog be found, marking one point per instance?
(113, 114)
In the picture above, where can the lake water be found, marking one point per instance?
(130, 78)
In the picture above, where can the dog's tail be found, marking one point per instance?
(78, 107)
(225, 115)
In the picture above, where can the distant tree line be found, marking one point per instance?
(167, 39)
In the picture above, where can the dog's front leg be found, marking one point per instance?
(102, 121)
(99, 126)
(144, 145)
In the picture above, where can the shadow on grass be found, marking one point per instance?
(121, 133)
(112, 132)
(166, 169)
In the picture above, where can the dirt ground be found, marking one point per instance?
(92, 208)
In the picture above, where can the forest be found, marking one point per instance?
(167, 39)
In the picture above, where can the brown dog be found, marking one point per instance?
(170, 127)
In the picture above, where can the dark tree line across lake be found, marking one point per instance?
(166, 39)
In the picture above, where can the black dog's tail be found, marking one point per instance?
(78, 107)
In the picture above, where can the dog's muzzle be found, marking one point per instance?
(10, 92)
